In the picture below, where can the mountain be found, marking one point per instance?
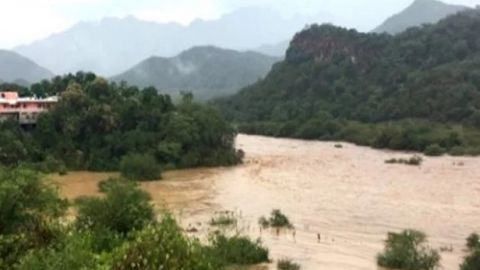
(205, 71)
(418, 13)
(278, 49)
(112, 45)
(417, 90)
(14, 67)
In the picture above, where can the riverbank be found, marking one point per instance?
(348, 195)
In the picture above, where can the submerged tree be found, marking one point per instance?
(408, 251)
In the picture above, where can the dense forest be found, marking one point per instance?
(97, 124)
(418, 90)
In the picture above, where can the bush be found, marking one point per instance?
(276, 220)
(473, 241)
(74, 252)
(163, 246)
(407, 251)
(123, 208)
(238, 250)
(413, 161)
(287, 265)
(434, 150)
(457, 151)
(27, 201)
(224, 219)
(140, 167)
(472, 260)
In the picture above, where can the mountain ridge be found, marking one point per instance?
(112, 45)
(206, 71)
(418, 13)
(15, 68)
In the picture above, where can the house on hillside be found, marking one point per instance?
(25, 110)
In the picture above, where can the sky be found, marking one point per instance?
(24, 21)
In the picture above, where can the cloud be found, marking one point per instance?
(23, 21)
(181, 11)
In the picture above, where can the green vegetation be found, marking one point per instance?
(29, 214)
(238, 250)
(213, 72)
(408, 251)
(472, 260)
(114, 211)
(98, 125)
(434, 150)
(276, 220)
(117, 230)
(226, 218)
(413, 161)
(418, 90)
(162, 246)
(140, 167)
(473, 241)
(287, 265)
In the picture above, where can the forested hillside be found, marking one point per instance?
(96, 124)
(418, 90)
(207, 72)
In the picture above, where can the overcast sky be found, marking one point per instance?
(23, 21)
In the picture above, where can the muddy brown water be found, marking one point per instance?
(349, 196)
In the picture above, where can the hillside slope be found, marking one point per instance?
(16, 68)
(340, 84)
(204, 71)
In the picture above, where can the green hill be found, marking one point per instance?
(416, 90)
(205, 71)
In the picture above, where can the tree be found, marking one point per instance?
(407, 251)
(140, 167)
(30, 209)
(472, 260)
(163, 246)
(124, 208)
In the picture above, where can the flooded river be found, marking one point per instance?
(348, 195)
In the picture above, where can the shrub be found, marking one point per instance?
(276, 220)
(74, 252)
(472, 261)
(238, 250)
(50, 164)
(434, 150)
(407, 251)
(163, 246)
(413, 161)
(123, 208)
(30, 209)
(262, 221)
(473, 241)
(224, 219)
(140, 167)
(457, 151)
(287, 265)
(26, 201)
